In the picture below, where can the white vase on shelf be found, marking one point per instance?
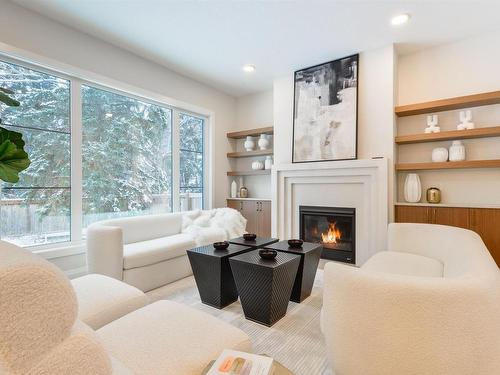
(457, 151)
(268, 163)
(249, 144)
(257, 164)
(413, 188)
(439, 155)
(263, 142)
(234, 189)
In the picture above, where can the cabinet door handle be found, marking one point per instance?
(241, 206)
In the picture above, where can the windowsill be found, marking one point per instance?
(59, 250)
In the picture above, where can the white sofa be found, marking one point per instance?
(429, 305)
(150, 251)
(40, 333)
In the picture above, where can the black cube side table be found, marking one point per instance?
(264, 285)
(310, 253)
(213, 275)
(259, 242)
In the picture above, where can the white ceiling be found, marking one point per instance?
(211, 40)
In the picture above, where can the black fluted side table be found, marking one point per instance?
(259, 242)
(213, 275)
(264, 285)
(310, 253)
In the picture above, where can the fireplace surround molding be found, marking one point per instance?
(361, 184)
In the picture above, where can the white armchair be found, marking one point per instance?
(41, 333)
(429, 305)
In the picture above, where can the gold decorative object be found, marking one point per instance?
(433, 195)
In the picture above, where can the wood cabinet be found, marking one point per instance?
(257, 213)
(484, 221)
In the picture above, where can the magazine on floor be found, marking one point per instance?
(241, 363)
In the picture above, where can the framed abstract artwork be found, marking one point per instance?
(325, 111)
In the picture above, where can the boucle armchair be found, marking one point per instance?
(430, 305)
(40, 333)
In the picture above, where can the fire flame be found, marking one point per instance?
(332, 235)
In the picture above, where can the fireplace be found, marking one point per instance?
(333, 227)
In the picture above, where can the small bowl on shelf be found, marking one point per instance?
(295, 243)
(268, 253)
(221, 245)
(249, 236)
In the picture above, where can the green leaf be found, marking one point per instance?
(14, 137)
(6, 99)
(7, 91)
(13, 158)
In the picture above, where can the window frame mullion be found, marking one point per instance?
(76, 161)
(176, 161)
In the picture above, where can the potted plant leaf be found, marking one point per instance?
(13, 158)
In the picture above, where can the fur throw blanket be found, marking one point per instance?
(208, 226)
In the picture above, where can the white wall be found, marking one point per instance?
(254, 111)
(465, 67)
(29, 31)
(376, 98)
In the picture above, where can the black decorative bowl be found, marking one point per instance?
(295, 243)
(221, 245)
(249, 236)
(267, 253)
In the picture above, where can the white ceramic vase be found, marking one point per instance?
(257, 164)
(457, 151)
(249, 144)
(234, 189)
(413, 188)
(263, 142)
(439, 155)
(268, 163)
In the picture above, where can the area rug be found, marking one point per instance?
(295, 341)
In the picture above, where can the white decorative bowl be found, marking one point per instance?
(439, 155)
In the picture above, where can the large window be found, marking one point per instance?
(36, 210)
(127, 156)
(96, 154)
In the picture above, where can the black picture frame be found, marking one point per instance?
(352, 62)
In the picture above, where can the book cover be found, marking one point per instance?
(232, 362)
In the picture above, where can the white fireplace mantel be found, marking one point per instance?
(362, 184)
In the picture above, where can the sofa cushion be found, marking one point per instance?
(102, 299)
(144, 253)
(142, 228)
(400, 263)
(168, 338)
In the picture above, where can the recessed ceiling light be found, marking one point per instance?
(400, 19)
(108, 115)
(248, 68)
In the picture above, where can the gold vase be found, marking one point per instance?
(243, 192)
(433, 195)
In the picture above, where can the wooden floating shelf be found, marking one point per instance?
(247, 154)
(493, 131)
(250, 132)
(449, 104)
(495, 163)
(249, 173)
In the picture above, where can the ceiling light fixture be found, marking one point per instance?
(248, 68)
(400, 19)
